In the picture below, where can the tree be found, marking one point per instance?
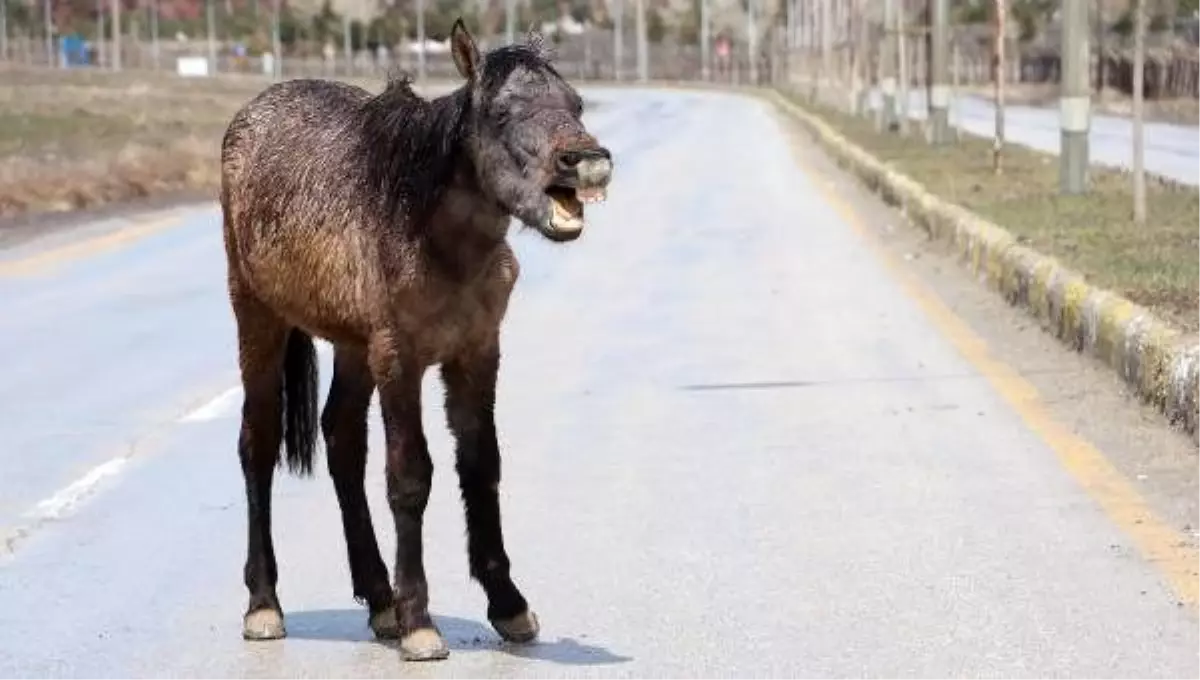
(326, 24)
(998, 74)
(655, 27)
(1030, 15)
(687, 31)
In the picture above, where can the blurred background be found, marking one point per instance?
(731, 40)
(108, 100)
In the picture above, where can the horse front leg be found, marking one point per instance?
(409, 471)
(470, 382)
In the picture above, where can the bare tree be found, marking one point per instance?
(1139, 114)
(900, 26)
(999, 73)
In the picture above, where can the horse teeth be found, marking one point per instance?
(591, 196)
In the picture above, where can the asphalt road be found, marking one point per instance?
(1171, 150)
(734, 446)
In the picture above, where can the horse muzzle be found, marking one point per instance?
(583, 168)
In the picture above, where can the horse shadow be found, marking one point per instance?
(350, 625)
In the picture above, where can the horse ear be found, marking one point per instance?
(464, 50)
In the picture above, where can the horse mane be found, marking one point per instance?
(534, 53)
(411, 147)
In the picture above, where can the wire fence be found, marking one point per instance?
(780, 53)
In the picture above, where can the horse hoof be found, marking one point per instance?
(424, 644)
(383, 624)
(521, 628)
(263, 624)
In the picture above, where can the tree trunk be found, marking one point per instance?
(999, 74)
(1139, 123)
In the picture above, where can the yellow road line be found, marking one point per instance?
(1159, 544)
(47, 259)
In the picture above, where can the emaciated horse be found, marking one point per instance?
(379, 223)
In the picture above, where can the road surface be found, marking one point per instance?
(1171, 150)
(734, 445)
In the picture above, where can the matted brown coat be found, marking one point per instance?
(379, 223)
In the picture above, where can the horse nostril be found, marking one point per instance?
(568, 160)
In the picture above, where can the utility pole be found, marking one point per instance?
(1139, 113)
(276, 44)
(347, 45)
(211, 22)
(955, 83)
(752, 42)
(999, 74)
(48, 18)
(99, 33)
(939, 91)
(902, 95)
(154, 49)
(642, 57)
(863, 51)
(3, 30)
(814, 49)
(618, 38)
(804, 43)
(705, 39)
(827, 42)
(421, 41)
(855, 38)
(886, 115)
(510, 21)
(114, 57)
(1075, 97)
(1101, 40)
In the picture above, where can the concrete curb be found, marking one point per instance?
(1159, 362)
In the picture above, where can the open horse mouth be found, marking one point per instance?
(566, 218)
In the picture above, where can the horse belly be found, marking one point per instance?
(321, 287)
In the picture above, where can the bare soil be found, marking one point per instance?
(79, 139)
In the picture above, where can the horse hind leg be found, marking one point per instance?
(278, 367)
(344, 424)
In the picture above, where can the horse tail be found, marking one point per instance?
(300, 419)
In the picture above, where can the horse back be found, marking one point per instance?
(297, 225)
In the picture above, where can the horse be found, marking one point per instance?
(379, 223)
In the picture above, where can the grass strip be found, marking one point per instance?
(1156, 265)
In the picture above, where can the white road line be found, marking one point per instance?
(62, 502)
(215, 408)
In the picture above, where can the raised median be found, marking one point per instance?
(1127, 295)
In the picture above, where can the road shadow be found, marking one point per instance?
(463, 635)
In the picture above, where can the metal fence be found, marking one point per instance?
(780, 56)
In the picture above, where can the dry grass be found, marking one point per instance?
(79, 139)
(1156, 265)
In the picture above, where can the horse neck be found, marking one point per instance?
(414, 147)
(465, 228)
